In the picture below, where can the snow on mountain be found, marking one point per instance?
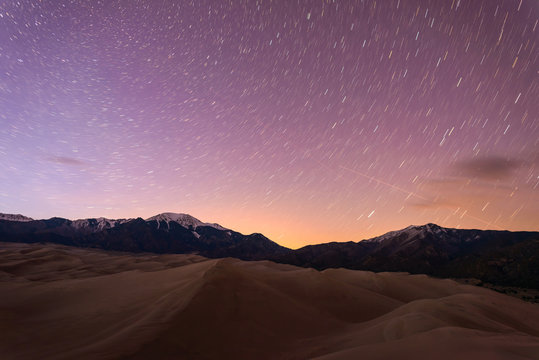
(184, 220)
(15, 217)
(101, 223)
(97, 224)
(410, 232)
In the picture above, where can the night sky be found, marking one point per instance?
(307, 121)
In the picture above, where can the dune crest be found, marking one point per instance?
(63, 303)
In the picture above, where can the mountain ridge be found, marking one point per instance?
(162, 233)
(499, 257)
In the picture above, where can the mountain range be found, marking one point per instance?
(163, 233)
(498, 257)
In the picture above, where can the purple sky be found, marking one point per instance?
(308, 121)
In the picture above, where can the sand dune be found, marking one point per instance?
(62, 303)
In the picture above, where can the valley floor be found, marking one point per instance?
(59, 302)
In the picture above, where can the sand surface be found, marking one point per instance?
(66, 303)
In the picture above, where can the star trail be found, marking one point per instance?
(307, 121)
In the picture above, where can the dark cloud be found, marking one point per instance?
(66, 160)
(439, 182)
(486, 168)
(434, 204)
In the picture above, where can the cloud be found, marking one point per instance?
(486, 168)
(468, 182)
(66, 160)
(475, 187)
(434, 204)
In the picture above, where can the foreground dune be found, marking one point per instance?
(63, 303)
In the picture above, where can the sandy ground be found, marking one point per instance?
(66, 303)
(530, 295)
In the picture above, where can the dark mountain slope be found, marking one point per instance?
(165, 233)
(498, 257)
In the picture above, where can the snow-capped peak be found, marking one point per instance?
(410, 232)
(15, 217)
(97, 224)
(184, 220)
